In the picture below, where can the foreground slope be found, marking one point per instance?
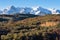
(37, 28)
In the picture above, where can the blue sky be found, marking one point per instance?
(30, 3)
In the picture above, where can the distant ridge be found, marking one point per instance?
(28, 10)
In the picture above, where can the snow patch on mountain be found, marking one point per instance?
(54, 11)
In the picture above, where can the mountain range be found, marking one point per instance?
(28, 10)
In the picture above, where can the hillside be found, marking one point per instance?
(48, 20)
(34, 28)
(15, 17)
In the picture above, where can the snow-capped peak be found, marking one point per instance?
(27, 10)
(41, 11)
(35, 8)
(54, 11)
(9, 7)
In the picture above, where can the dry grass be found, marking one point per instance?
(48, 24)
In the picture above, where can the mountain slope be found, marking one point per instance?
(1, 12)
(28, 10)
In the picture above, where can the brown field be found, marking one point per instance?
(37, 28)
